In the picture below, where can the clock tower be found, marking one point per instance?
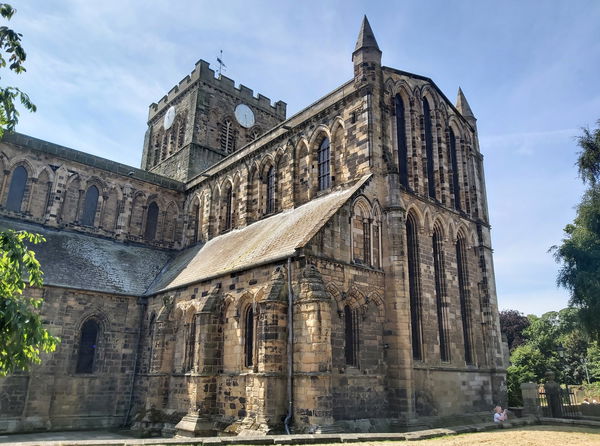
(201, 120)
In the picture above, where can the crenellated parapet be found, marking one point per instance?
(203, 73)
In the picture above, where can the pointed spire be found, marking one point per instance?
(366, 38)
(463, 106)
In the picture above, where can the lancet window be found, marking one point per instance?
(414, 284)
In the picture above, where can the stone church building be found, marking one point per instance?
(332, 270)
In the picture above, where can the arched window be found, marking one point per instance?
(428, 147)
(88, 341)
(228, 209)
(401, 139)
(16, 190)
(465, 301)
(190, 345)
(227, 136)
(324, 165)
(351, 336)
(361, 234)
(271, 190)
(249, 337)
(151, 221)
(414, 287)
(440, 294)
(454, 164)
(195, 222)
(89, 206)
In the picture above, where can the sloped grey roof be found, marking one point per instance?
(81, 261)
(268, 240)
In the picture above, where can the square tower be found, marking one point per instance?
(201, 120)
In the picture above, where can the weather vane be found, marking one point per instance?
(222, 66)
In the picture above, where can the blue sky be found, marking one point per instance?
(529, 69)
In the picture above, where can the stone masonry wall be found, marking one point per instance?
(56, 189)
(53, 395)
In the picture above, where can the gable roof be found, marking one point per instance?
(265, 241)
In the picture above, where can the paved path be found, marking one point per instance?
(122, 438)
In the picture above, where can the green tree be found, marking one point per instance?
(22, 335)
(528, 364)
(579, 252)
(12, 55)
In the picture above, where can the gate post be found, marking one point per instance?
(530, 399)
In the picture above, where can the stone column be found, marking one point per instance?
(208, 361)
(312, 353)
(399, 354)
(271, 346)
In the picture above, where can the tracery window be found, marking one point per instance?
(271, 205)
(414, 287)
(454, 164)
(428, 147)
(465, 301)
(323, 155)
(90, 205)
(16, 191)
(440, 293)
(401, 140)
(351, 336)
(227, 136)
(88, 340)
(151, 221)
(249, 337)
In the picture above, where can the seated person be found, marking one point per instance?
(500, 415)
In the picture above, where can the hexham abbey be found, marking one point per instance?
(331, 271)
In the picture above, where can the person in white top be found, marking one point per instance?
(500, 415)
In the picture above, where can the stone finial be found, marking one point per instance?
(463, 107)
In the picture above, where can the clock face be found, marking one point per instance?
(169, 118)
(244, 115)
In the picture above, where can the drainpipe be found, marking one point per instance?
(290, 347)
(143, 304)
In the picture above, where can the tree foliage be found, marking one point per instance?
(579, 252)
(512, 324)
(22, 335)
(589, 157)
(12, 55)
(553, 342)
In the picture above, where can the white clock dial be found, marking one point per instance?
(169, 118)
(244, 115)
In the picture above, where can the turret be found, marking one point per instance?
(465, 110)
(367, 55)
